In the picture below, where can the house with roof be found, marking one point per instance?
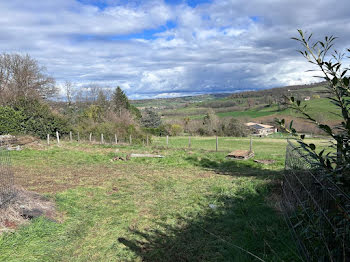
(261, 129)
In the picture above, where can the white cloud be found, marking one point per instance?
(215, 47)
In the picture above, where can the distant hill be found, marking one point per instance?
(162, 103)
(221, 100)
(261, 106)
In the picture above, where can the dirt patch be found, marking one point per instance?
(120, 158)
(46, 179)
(24, 206)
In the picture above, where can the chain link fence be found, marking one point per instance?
(316, 209)
(7, 190)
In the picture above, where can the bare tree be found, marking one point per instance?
(250, 102)
(93, 92)
(68, 88)
(22, 76)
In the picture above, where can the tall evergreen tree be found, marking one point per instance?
(120, 101)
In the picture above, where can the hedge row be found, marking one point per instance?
(31, 117)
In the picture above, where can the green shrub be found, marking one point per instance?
(11, 121)
(38, 119)
(159, 131)
(151, 119)
(234, 128)
(176, 130)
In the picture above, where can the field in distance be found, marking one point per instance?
(258, 106)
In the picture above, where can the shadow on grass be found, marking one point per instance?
(232, 167)
(241, 218)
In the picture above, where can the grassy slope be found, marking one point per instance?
(152, 209)
(320, 108)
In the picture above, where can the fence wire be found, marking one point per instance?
(6, 175)
(316, 209)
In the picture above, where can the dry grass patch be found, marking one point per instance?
(24, 206)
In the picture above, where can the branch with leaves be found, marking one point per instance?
(333, 72)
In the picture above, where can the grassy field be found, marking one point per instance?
(320, 108)
(150, 209)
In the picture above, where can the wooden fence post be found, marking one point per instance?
(251, 145)
(90, 137)
(70, 136)
(217, 143)
(167, 141)
(116, 139)
(48, 139)
(78, 137)
(58, 137)
(147, 140)
(189, 142)
(130, 140)
(102, 141)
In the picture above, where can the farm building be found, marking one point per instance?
(261, 129)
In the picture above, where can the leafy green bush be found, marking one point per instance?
(159, 131)
(235, 128)
(150, 119)
(11, 121)
(176, 130)
(38, 119)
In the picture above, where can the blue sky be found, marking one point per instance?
(166, 48)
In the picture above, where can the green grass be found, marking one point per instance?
(253, 113)
(153, 209)
(320, 108)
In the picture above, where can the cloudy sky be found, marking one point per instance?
(172, 47)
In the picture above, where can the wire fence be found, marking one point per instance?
(316, 209)
(7, 190)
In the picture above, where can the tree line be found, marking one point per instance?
(30, 104)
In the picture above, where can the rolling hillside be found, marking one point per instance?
(252, 104)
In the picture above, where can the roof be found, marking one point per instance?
(257, 125)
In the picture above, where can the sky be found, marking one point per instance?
(169, 48)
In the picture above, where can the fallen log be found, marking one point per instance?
(146, 155)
